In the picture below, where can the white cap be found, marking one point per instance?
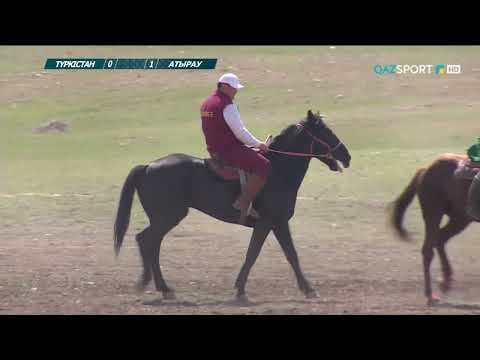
(231, 79)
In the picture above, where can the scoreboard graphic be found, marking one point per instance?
(128, 64)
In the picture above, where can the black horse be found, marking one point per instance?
(168, 187)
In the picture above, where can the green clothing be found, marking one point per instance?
(474, 152)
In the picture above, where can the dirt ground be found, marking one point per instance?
(64, 266)
(355, 264)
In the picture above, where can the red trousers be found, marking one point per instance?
(241, 156)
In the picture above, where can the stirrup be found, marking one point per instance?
(244, 213)
(252, 212)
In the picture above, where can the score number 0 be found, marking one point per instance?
(110, 63)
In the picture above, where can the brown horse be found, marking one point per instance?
(440, 193)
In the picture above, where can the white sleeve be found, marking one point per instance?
(232, 117)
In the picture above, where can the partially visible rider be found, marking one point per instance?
(473, 199)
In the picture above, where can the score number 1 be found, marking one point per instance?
(151, 64)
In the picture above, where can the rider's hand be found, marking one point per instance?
(263, 147)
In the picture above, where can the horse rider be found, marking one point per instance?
(227, 138)
(473, 199)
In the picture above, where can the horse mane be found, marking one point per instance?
(287, 134)
(283, 140)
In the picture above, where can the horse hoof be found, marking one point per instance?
(242, 299)
(433, 300)
(169, 295)
(311, 294)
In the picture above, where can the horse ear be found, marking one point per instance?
(310, 116)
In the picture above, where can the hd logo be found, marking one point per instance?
(441, 69)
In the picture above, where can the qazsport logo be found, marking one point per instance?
(424, 69)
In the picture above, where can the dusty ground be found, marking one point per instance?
(354, 263)
(65, 264)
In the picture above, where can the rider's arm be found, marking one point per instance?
(232, 117)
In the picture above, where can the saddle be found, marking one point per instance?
(222, 169)
(467, 169)
(226, 172)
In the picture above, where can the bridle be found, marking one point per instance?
(315, 139)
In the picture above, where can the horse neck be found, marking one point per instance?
(291, 169)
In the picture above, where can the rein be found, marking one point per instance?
(327, 155)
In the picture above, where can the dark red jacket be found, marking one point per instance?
(218, 134)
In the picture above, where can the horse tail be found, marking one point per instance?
(401, 204)
(125, 205)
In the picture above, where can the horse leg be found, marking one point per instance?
(160, 228)
(260, 233)
(145, 247)
(282, 233)
(432, 224)
(456, 225)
